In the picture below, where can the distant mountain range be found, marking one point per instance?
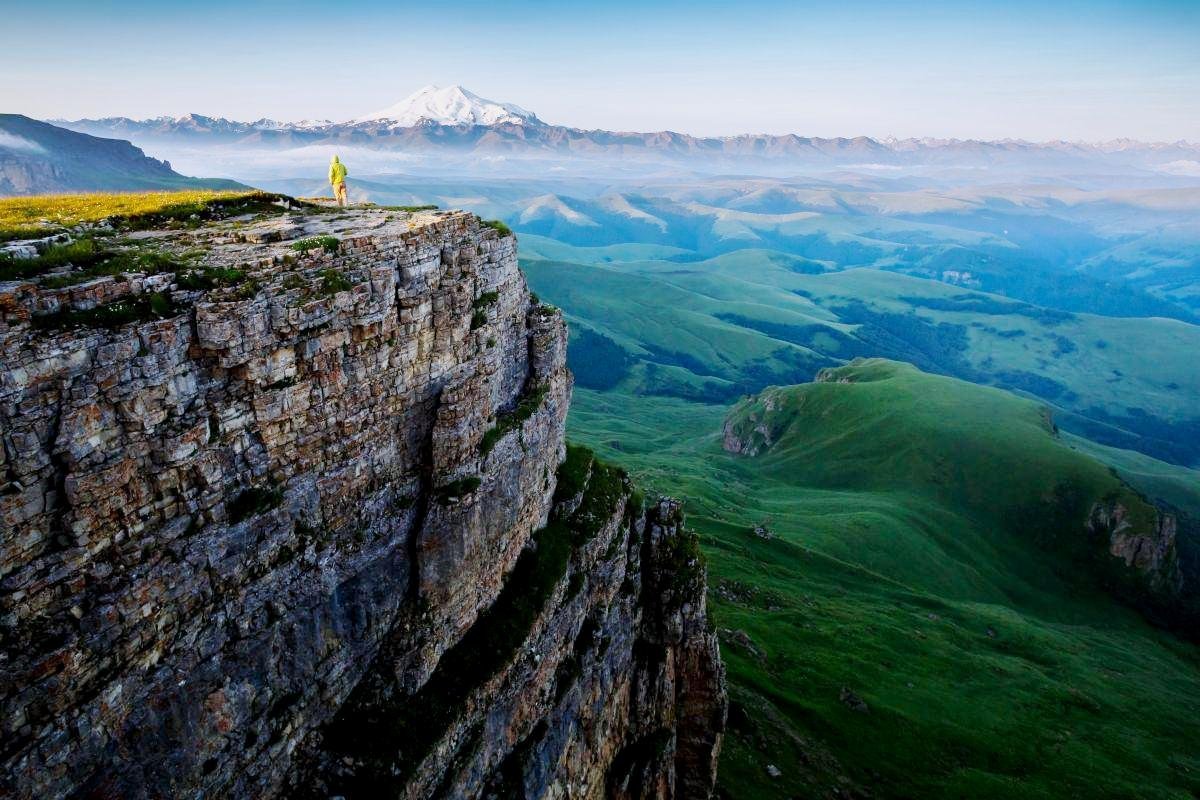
(39, 158)
(454, 118)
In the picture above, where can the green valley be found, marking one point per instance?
(919, 613)
(714, 329)
(912, 575)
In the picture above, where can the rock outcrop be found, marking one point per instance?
(292, 522)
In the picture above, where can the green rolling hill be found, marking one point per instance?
(715, 329)
(40, 158)
(927, 613)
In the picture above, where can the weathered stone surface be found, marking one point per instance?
(615, 690)
(218, 524)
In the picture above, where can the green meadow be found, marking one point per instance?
(714, 329)
(904, 570)
(1029, 678)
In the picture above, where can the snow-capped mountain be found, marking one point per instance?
(452, 105)
(454, 119)
(265, 124)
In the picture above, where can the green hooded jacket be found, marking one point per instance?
(337, 172)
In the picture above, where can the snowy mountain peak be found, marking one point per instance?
(452, 105)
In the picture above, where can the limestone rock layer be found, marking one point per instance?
(247, 537)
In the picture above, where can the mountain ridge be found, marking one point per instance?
(38, 158)
(456, 118)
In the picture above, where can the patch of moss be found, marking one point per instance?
(294, 280)
(137, 308)
(334, 281)
(605, 489)
(247, 290)
(511, 420)
(486, 299)
(497, 226)
(573, 472)
(479, 318)
(209, 278)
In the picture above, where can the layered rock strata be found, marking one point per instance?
(246, 504)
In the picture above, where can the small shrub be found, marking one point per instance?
(294, 280)
(329, 244)
(334, 281)
(486, 299)
(247, 290)
(478, 319)
(209, 278)
(138, 308)
(497, 226)
(573, 472)
(511, 420)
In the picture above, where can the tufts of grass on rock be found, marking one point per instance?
(329, 244)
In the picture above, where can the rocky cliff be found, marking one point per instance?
(289, 513)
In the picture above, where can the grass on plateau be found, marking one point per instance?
(41, 215)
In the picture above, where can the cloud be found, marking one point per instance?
(10, 141)
(1182, 167)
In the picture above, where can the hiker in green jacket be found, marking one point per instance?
(337, 179)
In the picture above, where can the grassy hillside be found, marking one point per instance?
(39, 158)
(905, 572)
(27, 217)
(715, 329)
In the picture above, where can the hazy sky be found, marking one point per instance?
(1036, 70)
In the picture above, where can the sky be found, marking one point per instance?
(1033, 70)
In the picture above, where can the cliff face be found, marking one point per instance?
(294, 530)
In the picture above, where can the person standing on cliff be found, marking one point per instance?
(337, 179)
